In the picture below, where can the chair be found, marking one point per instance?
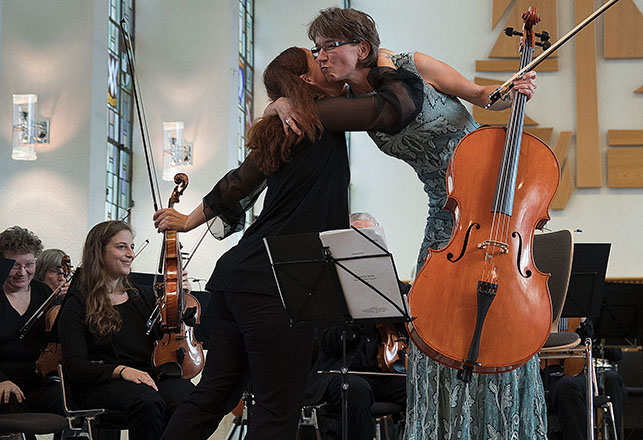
(31, 423)
(79, 422)
(553, 253)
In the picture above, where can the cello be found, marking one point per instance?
(177, 353)
(470, 297)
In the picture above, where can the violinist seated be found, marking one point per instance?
(567, 395)
(49, 270)
(106, 351)
(21, 390)
(362, 348)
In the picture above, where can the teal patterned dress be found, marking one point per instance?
(507, 406)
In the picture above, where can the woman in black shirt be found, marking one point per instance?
(20, 388)
(106, 351)
(307, 179)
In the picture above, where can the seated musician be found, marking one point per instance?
(567, 395)
(21, 389)
(49, 270)
(106, 351)
(362, 345)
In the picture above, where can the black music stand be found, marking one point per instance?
(308, 278)
(620, 323)
(585, 290)
(5, 267)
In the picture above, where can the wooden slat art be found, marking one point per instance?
(498, 9)
(622, 31)
(588, 159)
(639, 90)
(560, 150)
(625, 168)
(624, 137)
(491, 117)
(542, 133)
(506, 47)
(549, 65)
(566, 186)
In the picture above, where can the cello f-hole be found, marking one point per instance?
(527, 273)
(464, 245)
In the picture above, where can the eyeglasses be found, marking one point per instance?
(57, 271)
(28, 266)
(330, 45)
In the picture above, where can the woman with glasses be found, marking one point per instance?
(307, 191)
(49, 270)
(20, 388)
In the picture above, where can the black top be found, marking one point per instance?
(310, 193)
(18, 356)
(91, 361)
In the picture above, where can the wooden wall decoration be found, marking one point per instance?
(566, 185)
(588, 158)
(622, 32)
(639, 90)
(625, 165)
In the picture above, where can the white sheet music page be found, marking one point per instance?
(370, 263)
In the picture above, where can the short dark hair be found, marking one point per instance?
(17, 240)
(349, 24)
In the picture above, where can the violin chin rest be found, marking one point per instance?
(169, 369)
(189, 316)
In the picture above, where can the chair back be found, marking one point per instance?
(553, 253)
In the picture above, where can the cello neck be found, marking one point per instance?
(506, 184)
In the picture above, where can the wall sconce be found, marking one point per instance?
(176, 154)
(27, 132)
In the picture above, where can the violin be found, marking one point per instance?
(68, 272)
(392, 351)
(178, 353)
(480, 304)
(51, 355)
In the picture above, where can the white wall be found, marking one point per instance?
(45, 50)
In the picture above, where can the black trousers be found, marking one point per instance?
(251, 340)
(363, 391)
(568, 401)
(140, 408)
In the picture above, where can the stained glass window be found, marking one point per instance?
(118, 195)
(245, 77)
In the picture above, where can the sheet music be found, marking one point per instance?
(371, 264)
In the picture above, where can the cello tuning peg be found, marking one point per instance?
(544, 44)
(510, 32)
(544, 35)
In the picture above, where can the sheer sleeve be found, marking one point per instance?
(395, 102)
(231, 197)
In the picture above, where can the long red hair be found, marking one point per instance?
(266, 138)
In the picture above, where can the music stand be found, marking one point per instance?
(620, 323)
(586, 281)
(5, 267)
(308, 274)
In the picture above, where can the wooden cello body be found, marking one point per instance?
(443, 298)
(480, 304)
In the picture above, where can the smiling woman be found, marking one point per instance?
(106, 350)
(21, 389)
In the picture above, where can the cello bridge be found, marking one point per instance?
(503, 248)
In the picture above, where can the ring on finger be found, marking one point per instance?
(288, 121)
